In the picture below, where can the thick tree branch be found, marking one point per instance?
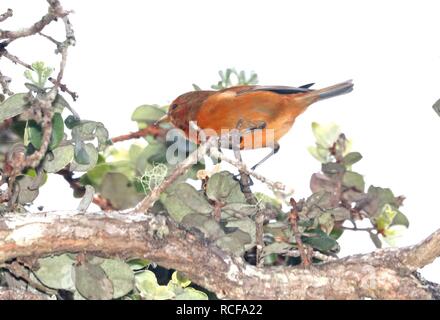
(384, 274)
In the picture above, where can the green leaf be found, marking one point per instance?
(86, 199)
(56, 272)
(210, 228)
(146, 280)
(139, 263)
(32, 134)
(146, 283)
(87, 130)
(81, 155)
(377, 198)
(353, 180)
(152, 154)
(238, 210)
(58, 159)
(180, 279)
(332, 168)
(119, 190)
(277, 248)
(400, 219)
(191, 294)
(246, 225)
(92, 282)
(60, 103)
(326, 134)
(57, 131)
(339, 213)
(223, 188)
(147, 113)
(376, 240)
(13, 106)
(320, 153)
(71, 121)
(321, 241)
(234, 242)
(121, 276)
(92, 154)
(351, 158)
(326, 222)
(184, 199)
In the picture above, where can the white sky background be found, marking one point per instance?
(130, 53)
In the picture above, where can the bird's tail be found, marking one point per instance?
(333, 91)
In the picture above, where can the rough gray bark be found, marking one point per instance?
(383, 274)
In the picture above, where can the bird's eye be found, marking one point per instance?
(173, 106)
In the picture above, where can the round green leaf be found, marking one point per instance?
(121, 276)
(147, 113)
(60, 158)
(92, 282)
(57, 131)
(191, 294)
(353, 180)
(92, 154)
(13, 106)
(119, 190)
(223, 188)
(184, 199)
(56, 272)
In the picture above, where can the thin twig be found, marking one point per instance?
(293, 218)
(74, 183)
(6, 15)
(64, 88)
(153, 130)
(259, 236)
(274, 185)
(180, 169)
(56, 11)
(14, 59)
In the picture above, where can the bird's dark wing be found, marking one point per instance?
(278, 89)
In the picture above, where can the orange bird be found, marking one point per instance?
(248, 109)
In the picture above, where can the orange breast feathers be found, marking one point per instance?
(262, 114)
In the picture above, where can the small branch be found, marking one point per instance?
(98, 199)
(6, 15)
(259, 236)
(423, 253)
(357, 229)
(153, 130)
(180, 169)
(64, 88)
(275, 186)
(55, 11)
(14, 59)
(293, 218)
